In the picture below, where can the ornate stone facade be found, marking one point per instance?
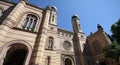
(29, 36)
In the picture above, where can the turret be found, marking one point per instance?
(78, 40)
(53, 15)
(76, 24)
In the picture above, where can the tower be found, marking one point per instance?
(53, 15)
(76, 24)
(78, 40)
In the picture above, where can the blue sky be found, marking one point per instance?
(90, 12)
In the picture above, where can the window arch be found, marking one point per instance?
(50, 43)
(30, 22)
(68, 60)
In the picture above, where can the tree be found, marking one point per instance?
(115, 29)
(112, 50)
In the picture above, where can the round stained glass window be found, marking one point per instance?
(67, 45)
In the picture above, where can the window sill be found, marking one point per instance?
(20, 29)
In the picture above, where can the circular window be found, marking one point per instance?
(67, 45)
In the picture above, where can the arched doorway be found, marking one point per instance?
(102, 63)
(16, 55)
(68, 61)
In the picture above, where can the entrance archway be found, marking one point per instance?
(68, 61)
(102, 63)
(13, 49)
(17, 57)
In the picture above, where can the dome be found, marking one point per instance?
(53, 8)
(48, 7)
(75, 16)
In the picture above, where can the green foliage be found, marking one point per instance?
(115, 29)
(112, 51)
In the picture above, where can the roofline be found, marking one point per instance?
(66, 31)
(34, 6)
(26, 4)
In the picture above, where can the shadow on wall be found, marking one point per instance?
(5, 14)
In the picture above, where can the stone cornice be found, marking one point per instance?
(65, 31)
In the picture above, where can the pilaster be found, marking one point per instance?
(77, 50)
(11, 19)
(40, 40)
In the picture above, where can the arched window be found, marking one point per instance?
(30, 22)
(50, 43)
(53, 18)
(68, 61)
(48, 60)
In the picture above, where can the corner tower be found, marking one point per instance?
(78, 40)
(76, 24)
(53, 15)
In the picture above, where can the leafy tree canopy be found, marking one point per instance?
(115, 29)
(112, 50)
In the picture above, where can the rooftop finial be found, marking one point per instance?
(99, 26)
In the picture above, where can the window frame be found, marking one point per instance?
(30, 22)
(50, 43)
